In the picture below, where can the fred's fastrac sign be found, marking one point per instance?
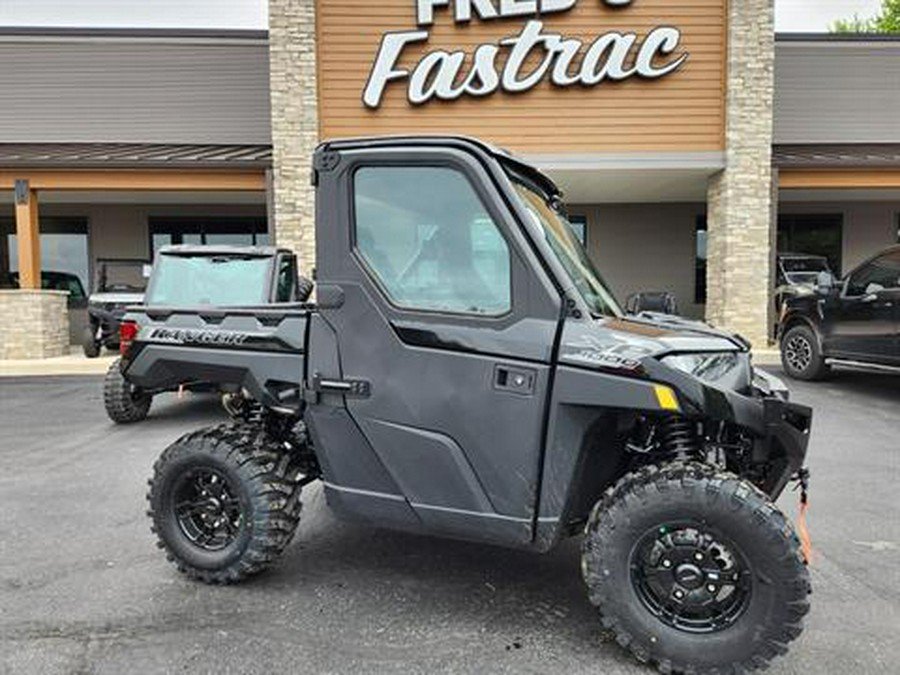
(537, 76)
(564, 61)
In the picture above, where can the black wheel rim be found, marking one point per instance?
(690, 578)
(798, 353)
(207, 509)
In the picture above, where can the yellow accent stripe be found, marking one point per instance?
(666, 397)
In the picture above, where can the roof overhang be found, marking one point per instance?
(633, 177)
(133, 156)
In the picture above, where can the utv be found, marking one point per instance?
(197, 276)
(120, 283)
(464, 372)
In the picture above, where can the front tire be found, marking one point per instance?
(801, 356)
(224, 502)
(695, 570)
(125, 404)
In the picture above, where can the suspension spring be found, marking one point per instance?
(678, 437)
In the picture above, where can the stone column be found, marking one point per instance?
(740, 203)
(295, 124)
(34, 324)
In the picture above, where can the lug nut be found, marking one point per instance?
(667, 564)
(679, 594)
(711, 589)
(698, 556)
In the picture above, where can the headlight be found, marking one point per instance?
(729, 370)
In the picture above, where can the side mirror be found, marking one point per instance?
(146, 271)
(872, 291)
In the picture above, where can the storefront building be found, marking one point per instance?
(113, 143)
(690, 142)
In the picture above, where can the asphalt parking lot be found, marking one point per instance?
(83, 589)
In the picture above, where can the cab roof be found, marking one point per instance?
(505, 157)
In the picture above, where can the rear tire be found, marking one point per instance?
(695, 570)
(89, 344)
(242, 492)
(125, 404)
(801, 356)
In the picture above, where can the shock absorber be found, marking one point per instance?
(678, 437)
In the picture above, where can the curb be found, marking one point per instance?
(766, 357)
(63, 365)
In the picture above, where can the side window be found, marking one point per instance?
(883, 272)
(286, 278)
(427, 238)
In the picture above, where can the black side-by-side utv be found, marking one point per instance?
(204, 279)
(465, 372)
(119, 284)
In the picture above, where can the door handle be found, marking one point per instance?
(515, 380)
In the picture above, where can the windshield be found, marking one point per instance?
(222, 280)
(568, 250)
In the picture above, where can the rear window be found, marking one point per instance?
(190, 281)
(119, 277)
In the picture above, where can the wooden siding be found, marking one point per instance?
(124, 179)
(684, 111)
(840, 179)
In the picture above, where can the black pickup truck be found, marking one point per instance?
(465, 372)
(854, 322)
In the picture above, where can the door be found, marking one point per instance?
(448, 321)
(865, 318)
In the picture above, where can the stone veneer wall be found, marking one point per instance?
(740, 204)
(33, 324)
(295, 123)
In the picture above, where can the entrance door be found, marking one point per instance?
(866, 319)
(446, 319)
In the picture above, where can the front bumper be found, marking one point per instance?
(784, 445)
(780, 429)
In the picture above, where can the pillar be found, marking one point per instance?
(28, 236)
(295, 124)
(740, 274)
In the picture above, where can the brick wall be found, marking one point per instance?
(33, 324)
(740, 200)
(295, 124)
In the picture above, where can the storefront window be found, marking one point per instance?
(222, 231)
(64, 254)
(812, 234)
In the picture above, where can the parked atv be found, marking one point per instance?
(205, 277)
(120, 283)
(464, 372)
